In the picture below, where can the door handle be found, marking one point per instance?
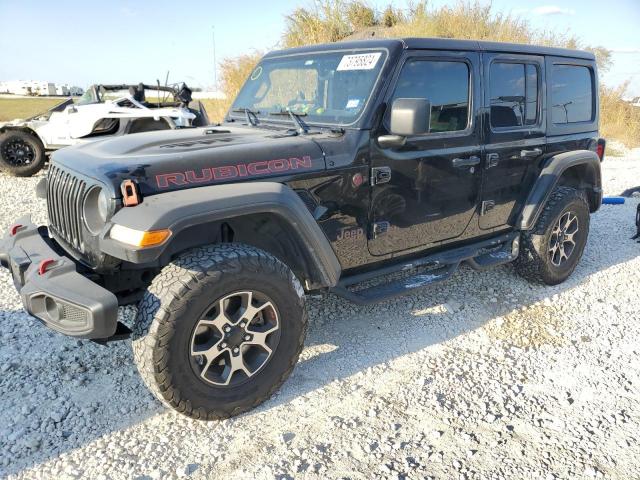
(466, 162)
(536, 152)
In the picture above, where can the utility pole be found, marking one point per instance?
(215, 65)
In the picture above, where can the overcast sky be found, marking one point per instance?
(83, 42)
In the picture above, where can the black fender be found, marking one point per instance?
(18, 128)
(187, 210)
(552, 174)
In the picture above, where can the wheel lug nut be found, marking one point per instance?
(242, 324)
(224, 345)
(247, 337)
(227, 328)
(236, 350)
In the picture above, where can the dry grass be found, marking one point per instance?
(216, 108)
(19, 107)
(619, 120)
(234, 73)
(335, 20)
(326, 22)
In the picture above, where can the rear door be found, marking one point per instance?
(514, 134)
(428, 189)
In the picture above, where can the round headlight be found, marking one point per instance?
(95, 210)
(103, 206)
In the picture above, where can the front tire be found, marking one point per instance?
(21, 153)
(551, 251)
(219, 330)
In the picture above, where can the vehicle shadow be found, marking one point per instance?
(94, 390)
(374, 335)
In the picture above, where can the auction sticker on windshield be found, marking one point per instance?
(361, 61)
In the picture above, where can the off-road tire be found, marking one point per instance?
(171, 307)
(534, 262)
(36, 149)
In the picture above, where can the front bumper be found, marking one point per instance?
(53, 291)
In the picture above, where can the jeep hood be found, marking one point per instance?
(185, 158)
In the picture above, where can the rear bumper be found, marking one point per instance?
(59, 296)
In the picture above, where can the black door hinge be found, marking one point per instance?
(380, 228)
(380, 175)
(487, 206)
(492, 160)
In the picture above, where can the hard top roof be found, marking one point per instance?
(440, 44)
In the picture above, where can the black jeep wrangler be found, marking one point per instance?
(336, 166)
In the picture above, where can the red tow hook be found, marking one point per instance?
(44, 265)
(13, 230)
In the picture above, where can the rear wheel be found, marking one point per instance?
(21, 153)
(552, 250)
(219, 330)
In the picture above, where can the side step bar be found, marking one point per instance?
(391, 290)
(441, 266)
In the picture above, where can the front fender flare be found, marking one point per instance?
(19, 127)
(549, 177)
(182, 209)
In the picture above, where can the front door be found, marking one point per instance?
(514, 135)
(426, 192)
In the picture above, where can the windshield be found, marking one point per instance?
(330, 87)
(90, 96)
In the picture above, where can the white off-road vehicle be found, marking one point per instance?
(103, 111)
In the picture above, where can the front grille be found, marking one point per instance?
(65, 194)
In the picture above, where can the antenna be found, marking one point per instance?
(215, 69)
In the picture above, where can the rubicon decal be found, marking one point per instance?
(225, 172)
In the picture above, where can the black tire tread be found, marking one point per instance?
(29, 170)
(531, 262)
(163, 303)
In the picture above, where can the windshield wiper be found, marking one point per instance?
(296, 117)
(251, 116)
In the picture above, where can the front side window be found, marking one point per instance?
(330, 87)
(514, 94)
(445, 84)
(571, 94)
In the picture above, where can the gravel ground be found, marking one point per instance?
(484, 376)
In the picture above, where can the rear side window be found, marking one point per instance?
(445, 85)
(571, 94)
(514, 94)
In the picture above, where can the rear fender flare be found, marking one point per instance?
(186, 209)
(551, 175)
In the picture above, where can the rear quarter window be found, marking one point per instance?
(514, 94)
(572, 94)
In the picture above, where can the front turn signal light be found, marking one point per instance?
(139, 238)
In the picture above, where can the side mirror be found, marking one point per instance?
(409, 116)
